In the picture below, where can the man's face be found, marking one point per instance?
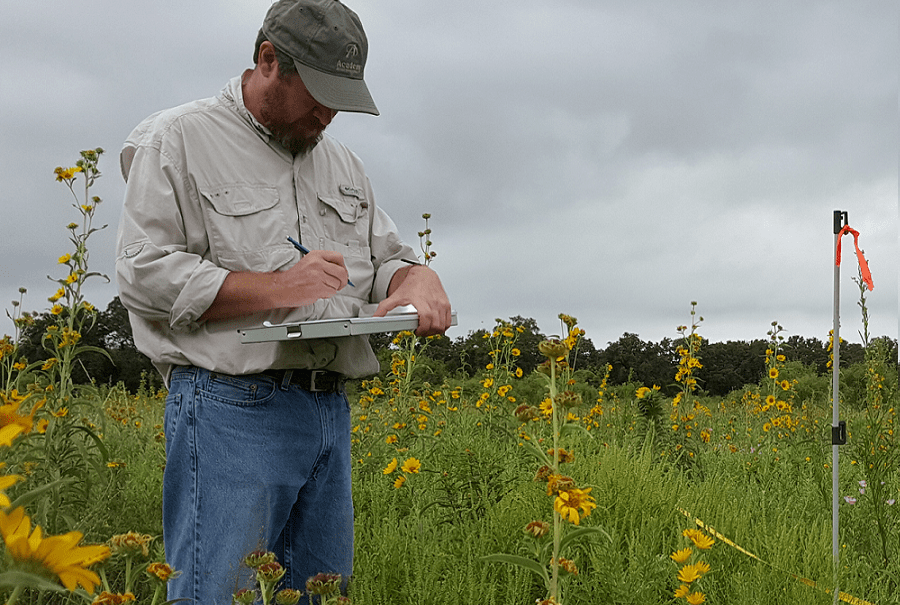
(293, 116)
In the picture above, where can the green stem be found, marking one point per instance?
(15, 594)
(557, 533)
(104, 580)
(156, 594)
(128, 574)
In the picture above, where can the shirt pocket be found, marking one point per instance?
(246, 227)
(345, 220)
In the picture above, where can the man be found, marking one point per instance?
(258, 435)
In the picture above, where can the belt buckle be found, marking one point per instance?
(312, 381)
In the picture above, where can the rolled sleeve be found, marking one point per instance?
(387, 250)
(160, 278)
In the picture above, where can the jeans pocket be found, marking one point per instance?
(240, 391)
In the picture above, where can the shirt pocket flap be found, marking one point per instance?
(348, 209)
(236, 200)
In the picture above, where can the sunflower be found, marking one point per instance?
(680, 556)
(58, 555)
(702, 541)
(569, 502)
(695, 571)
(695, 598)
(411, 465)
(6, 481)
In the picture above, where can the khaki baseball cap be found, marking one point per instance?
(329, 47)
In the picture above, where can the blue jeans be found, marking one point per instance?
(253, 464)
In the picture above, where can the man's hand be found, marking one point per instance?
(319, 274)
(420, 287)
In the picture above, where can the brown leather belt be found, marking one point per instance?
(316, 381)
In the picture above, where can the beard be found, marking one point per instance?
(298, 136)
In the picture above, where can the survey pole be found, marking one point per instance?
(838, 428)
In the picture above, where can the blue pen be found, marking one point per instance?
(305, 250)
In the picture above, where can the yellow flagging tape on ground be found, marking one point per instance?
(843, 596)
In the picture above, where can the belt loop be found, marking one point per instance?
(286, 380)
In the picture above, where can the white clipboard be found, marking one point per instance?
(333, 328)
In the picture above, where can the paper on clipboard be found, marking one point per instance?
(401, 318)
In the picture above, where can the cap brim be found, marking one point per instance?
(340, 94)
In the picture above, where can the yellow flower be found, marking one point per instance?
(57, 309)
(546, 407)
(64, 259)
(773, 373)
(12, 422)
(689, 573)
(569, 502)
(411, 465)
(72, 278)
(680, 556)
(515, 352)
(58, 555)
(109, 598)
(695, 598)
(390, 439)
(6, 481)
(398, 483)
(131, 544)
(60, 413)
(538, 529)
(162, 571)
(682, 591)
(390, 468)
(702, 541)
(66, 174)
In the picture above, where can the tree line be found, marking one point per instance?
(727, 366)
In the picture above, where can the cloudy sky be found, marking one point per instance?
(610, 160)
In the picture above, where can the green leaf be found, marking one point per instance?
(522, 562)
(580, 533)
(32, 495)
(539, 454)
(571, 427)
(93, 349)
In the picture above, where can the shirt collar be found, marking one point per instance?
(234, 93)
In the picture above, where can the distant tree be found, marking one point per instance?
(809, 351)
(730, 365)
(111, 331)
(647, 363)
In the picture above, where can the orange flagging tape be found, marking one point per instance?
(843, 596)
(863, 265)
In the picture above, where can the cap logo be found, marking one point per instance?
(350, 62)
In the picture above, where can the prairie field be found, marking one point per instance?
(484, 484)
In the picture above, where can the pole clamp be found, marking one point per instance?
(839, 433)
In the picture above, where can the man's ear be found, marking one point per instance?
(266, 61)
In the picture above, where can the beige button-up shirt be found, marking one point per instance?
(209, 192)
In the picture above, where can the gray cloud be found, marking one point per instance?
(610, 160)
